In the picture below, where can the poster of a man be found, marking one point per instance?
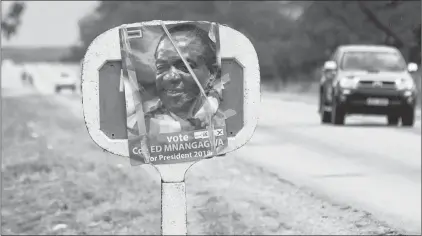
(183, 96)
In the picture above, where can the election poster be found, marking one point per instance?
(172, 80)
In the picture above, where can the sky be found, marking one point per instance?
(49, 23)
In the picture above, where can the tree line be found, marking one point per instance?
(292, 38)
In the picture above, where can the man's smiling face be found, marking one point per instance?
(175, 85)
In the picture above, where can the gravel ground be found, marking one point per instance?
(56, 180)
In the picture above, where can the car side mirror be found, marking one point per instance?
(329, 69)
(412, 67)
(330, 66)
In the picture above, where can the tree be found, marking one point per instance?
(260, 21)
(292, 39)
(415, 51)
(325, 25)
(12, 20)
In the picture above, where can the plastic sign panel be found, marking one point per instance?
(171, 92)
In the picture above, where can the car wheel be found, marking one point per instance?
(57, 90)
(393, 119)
(408, 117)
(338, 115)
(325, 117)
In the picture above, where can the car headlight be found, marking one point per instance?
(348, 82)
(405, 84)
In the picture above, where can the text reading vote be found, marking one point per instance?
(176, 138)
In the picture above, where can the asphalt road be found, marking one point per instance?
(365, 163)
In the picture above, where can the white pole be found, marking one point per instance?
(173, 209)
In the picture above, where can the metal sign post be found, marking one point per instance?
(173, 199)
(173, 209)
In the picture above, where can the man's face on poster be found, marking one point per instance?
(176, 87)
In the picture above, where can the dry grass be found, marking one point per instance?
(52, 180)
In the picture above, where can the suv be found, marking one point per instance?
(367, 79)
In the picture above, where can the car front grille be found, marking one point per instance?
(390, 85)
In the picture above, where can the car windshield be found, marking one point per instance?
(373, 61)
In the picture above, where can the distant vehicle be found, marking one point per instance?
(367, 79)
(27, 78)
(65, 81)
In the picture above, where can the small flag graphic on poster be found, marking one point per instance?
(201, 134)
(134, 32)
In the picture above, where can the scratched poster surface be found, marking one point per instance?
(172, 80)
